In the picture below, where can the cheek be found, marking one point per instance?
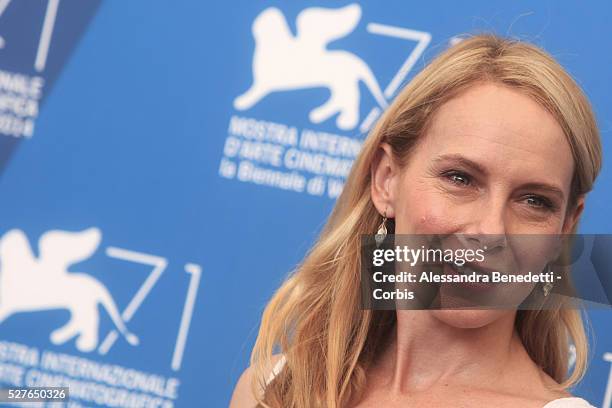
(424, 214)
(533, 252)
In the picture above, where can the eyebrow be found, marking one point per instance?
(459, 159)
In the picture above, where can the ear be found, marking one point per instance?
(572, 217)
(385, 176)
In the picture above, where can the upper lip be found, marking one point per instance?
(482, 269)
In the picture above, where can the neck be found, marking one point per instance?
(426, 351)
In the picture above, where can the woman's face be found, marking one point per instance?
(493, 163)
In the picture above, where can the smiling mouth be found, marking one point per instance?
(468, 269)
(479, 278)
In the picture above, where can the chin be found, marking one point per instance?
(468, 319)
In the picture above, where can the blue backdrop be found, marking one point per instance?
(182, 173)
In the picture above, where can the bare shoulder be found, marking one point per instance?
(556, 397)
(552, 387)
(243, 392)
(564, 399)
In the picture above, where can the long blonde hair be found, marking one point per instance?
(315, 318)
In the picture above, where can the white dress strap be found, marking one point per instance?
(277, 369)
(569, 402)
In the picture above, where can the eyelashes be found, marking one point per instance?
(540, 202)
(460, 179)
(457, 177)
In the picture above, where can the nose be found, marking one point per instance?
(487, 229)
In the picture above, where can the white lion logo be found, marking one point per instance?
(29, 284)
(283, 62)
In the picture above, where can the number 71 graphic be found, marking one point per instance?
(159, 265)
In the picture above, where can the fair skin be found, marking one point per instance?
(492, 161)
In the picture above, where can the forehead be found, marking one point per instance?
(504, 130)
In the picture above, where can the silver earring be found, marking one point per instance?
(382, 230)
(547, 287)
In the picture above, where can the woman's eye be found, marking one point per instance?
(538, 202)
(458, 178)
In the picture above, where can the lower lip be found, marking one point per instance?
(474, 286)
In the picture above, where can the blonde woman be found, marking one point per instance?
(492, 137)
